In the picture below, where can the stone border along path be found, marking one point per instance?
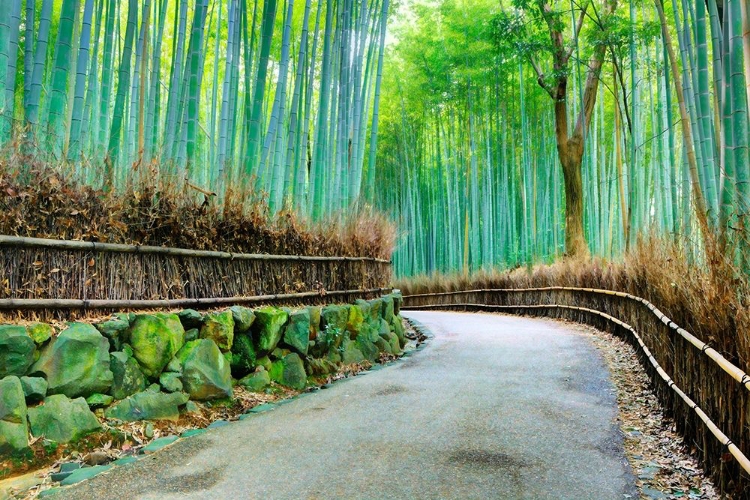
(72, 473)
(470, 411)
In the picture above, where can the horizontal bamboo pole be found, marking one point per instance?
(23, 242)
(733, 371)
(720, 436)
(172, 303)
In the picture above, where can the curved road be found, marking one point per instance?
(493, 407)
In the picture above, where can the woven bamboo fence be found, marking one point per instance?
(61, 279)
(705, 394)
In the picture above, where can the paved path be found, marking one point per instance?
(493, 407)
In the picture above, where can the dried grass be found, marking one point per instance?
(49, 202)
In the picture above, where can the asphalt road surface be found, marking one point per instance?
(494, 407)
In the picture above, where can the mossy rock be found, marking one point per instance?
(76, 362)
(257, 381)
(387, 309)
(393, 341)
(99, 401)
(368, 348)
(16, 350)
(334, 316)
(243, 318)
(320, 367)
(289, 371)
(205, 372)
(398, 301)
(219, 327)
(155, 339)
(350, 352)
(355, 321)
(376, 309)
(148, 405)
(34, 388)
(14, 431)
(243, 355)
(170, 382)
(297, 331)
(398, 328)
(116, 328)
(190, 318)
(192, 334)
(383, 346)
(127, 376)
(268, 328)
(63, 420)
(40, 332)
(265, 362)
(314, 312)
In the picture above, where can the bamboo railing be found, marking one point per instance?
(704, 392)
(56, 277)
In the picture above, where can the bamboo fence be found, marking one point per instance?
(58, 278)
(700, 389)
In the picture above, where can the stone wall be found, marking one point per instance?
(60, 383)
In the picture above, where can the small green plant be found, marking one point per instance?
(331, 337)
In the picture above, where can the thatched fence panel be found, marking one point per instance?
(92, 273)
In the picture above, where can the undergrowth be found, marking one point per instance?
(37, 200)
(711, 300)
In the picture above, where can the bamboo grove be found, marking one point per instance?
(470, 146)
(276, 97)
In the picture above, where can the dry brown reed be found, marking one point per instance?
(709, 300)
(49, 202)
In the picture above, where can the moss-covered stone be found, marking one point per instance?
(40, 332)
(170, 382)
(243, 318)
(34, 388)
(63, 420)
(398, 328)
(383, 346)
(398, 301)
(243, 355)
(190, 318)
(289, 371)
(350, 352)
(99, 401)
(114, 328)
(355, 321)
(387, 308)
(319, 367)
(265, 362)
(376, 309)
(257, 381)
(155, 339)
(334, 316)
(148, 405)
(392, 339)
(127, 376)
(368, 348)
(76, 362)
(14, 438)
(192, 334)
(219, 327)
(268, 328)
(297, 331)
(16, 350)
(314, 312)
(205, 372)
